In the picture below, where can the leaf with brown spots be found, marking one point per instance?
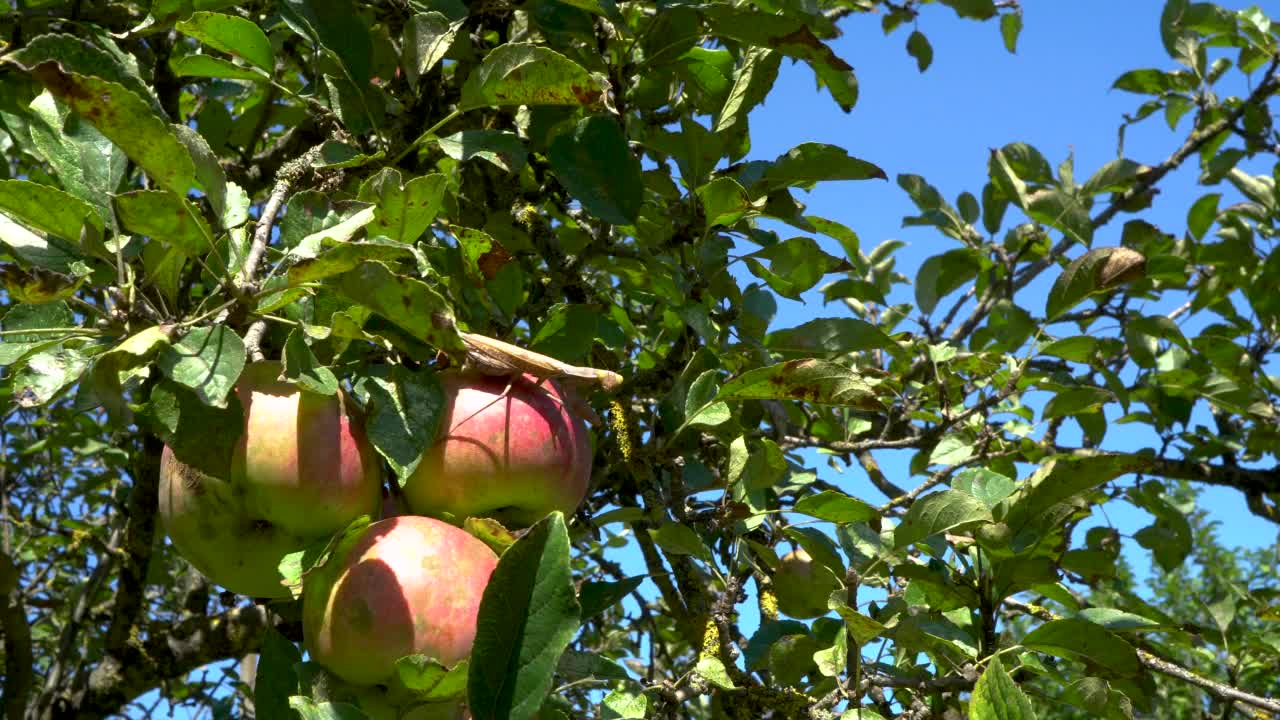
(403, 211)
(1095, 272)
(127, 120)
(37, 286)
(523, 74)
(814, 381)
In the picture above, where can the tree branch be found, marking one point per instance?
(169, 652)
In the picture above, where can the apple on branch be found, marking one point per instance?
(510, 448)
(404, 586)
(302, 470)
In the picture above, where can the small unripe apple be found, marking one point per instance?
(514, 457)
(301, 471)
(803, 586)
(404, 586)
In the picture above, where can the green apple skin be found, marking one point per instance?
(404, 586)
(513, 457)
(802, 586)
(301, 471)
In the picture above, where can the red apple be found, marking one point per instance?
(405, 586)
(302, 470)
(803, 586)
(513, 457)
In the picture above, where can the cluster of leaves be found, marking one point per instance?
(572, 176)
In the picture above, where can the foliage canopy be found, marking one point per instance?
(189, 185)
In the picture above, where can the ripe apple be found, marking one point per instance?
(515, 458)
(803, 586)
(404, 586)
(302, 470)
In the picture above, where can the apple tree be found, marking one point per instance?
(250, 247)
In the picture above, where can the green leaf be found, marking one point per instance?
(813, 381)
(528, 615)
(831, 335)
(712, 670)
(44, 316)
(402, 413)
(831, 661)
(336, 26)
(166, 217)
(951, 450)
(679, 539)
(229, 202)
(1083, 640)
(943, 274)
(207, 360)
(429, 681)
(1010, 28)
(136, 350)
(973, 9)
(596, 596)
(309, 709)
(862, 628)
(1061, 478)
(1150, 81)
(575, 665)
(504, 149)
(344, 231)
(47, 209)
(987, 485)
(594, 163)
(812, 162)
(212, 67)
(835, 506)
(46, 375)
(524, 74)
(669, 35)
(50, 253)
(411, 304)
(199, 435)
(752, 81)
(939, 512)
(790, 36)
(795, 265)
(302, 369)
(724, 202)
(1202, 214)
(919, 48)
(126, 119)
(89, 166)
(276, 681)
(1119, 620)
(344, 257)
(1062, 210)
(1080, 348)
(619, 705)
(996, 697)
(335, 154)
(403, 212)
(1077, 401)
(232, 35)
(427, 37)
